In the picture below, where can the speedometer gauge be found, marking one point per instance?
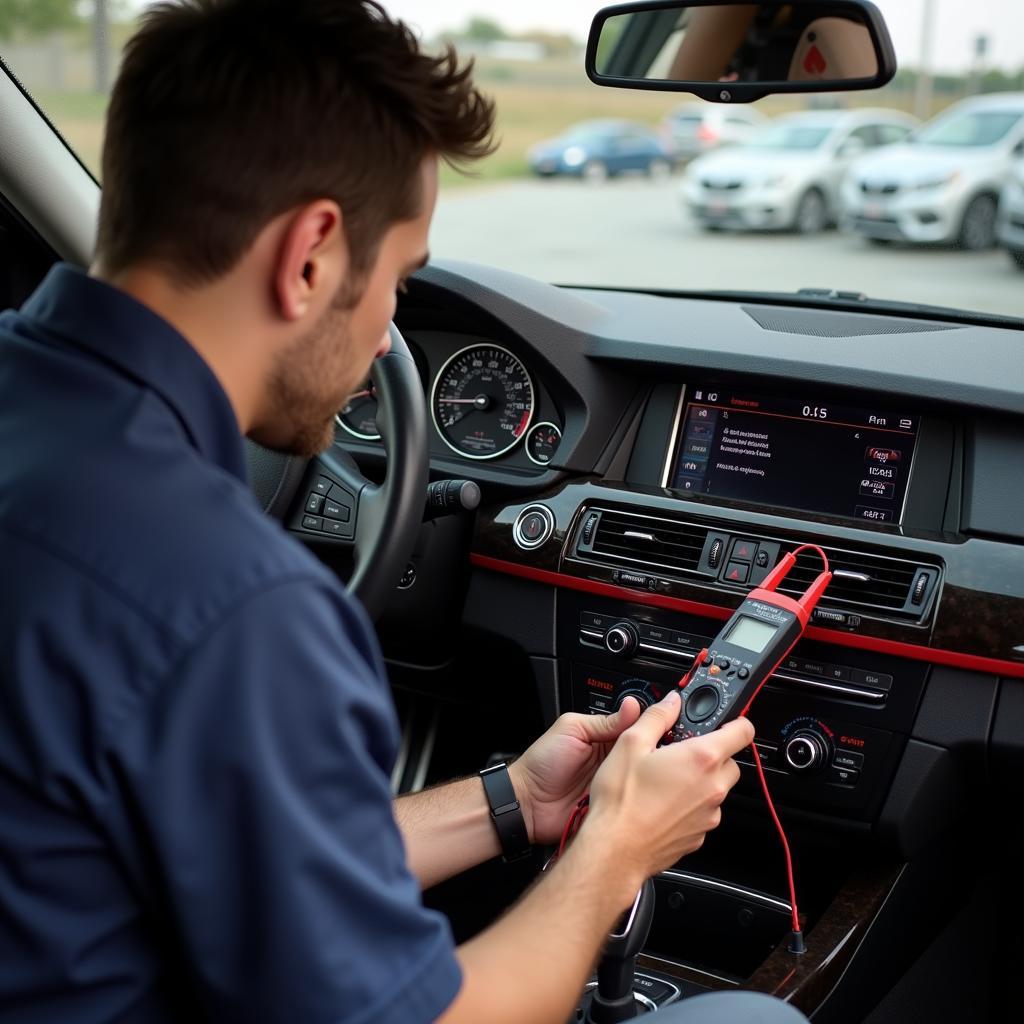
(359, 417)
(482, 401)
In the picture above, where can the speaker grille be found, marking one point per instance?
(826, 324)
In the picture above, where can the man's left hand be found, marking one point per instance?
(555, 772)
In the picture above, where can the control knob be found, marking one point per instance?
(806, 750)
(640, 692)
(622, 639)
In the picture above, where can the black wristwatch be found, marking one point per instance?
(506, 813)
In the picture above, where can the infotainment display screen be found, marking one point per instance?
(821, 457)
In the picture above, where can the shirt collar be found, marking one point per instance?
(108, 322)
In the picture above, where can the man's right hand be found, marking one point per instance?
(653, 805)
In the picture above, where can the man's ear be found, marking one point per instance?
(312, 259)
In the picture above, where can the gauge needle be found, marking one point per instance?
(366, 393)
(481, 401)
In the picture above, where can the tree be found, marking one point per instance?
(36, 17)
(483, 30)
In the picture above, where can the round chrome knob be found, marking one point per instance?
(621, 639)
(806, 750)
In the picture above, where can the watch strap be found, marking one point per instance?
(506, 813)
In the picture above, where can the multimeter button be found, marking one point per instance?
(723, 662)
(714, 670)
(707, 659)
(743, 673)
(702, 703)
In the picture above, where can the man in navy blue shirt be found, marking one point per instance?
(196, 735)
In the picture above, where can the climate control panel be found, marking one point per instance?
(830, 723)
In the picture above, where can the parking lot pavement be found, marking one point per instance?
(634, 233)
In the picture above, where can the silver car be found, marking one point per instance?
(788, 175)
(693, 129)
(944, 184)
(1011, 212)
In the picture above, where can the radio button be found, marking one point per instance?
(877, 680)
(591, 620)
(848, 759)
(846, 777)
(621, 639)
(658, 634)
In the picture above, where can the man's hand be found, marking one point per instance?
(556, 770)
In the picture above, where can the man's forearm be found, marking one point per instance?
(532, 964)
(446, 829)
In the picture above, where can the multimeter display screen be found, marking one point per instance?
(750, 634)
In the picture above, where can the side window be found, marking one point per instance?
(867, 134)
(890, 133)
(24, 258)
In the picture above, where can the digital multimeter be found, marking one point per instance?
(727, 675)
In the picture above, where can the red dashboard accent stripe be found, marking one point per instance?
(935, 655)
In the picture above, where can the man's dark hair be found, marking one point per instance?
(228, 113)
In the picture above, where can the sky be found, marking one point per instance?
(957, 23)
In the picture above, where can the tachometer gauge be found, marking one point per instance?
(482, 401)
(542, 443)
(359, 417)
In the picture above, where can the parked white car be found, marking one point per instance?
(788, 175)
(1011, 212)
(696, 128)
(944, 184)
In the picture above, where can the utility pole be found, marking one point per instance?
(923, 93)
(101, 45)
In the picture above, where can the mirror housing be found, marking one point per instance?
(734, 51)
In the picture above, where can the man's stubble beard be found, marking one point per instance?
(312, 380)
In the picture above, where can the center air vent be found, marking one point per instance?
(649, 542)
(865, 582)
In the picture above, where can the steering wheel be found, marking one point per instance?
(387, 516)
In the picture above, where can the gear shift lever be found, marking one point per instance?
(613, 999)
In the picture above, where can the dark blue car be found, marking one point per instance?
(595, 150)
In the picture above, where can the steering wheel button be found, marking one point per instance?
(312, 523)
(314, 503)
(335, 527)
(322, 485)
(332, 510)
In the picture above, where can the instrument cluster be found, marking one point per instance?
(484, 404)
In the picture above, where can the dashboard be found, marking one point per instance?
(644, 461)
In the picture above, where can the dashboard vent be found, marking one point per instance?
(863, 582)
(648, 542)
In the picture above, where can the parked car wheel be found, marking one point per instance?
(659, 169)
(811, 215)
(595, 171)
(978, 228)
(1017, 255)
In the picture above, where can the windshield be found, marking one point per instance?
(980, 128)
(654, 205)
(789, 136)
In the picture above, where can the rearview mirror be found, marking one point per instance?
(733, 52)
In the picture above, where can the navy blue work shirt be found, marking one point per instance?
(196, 735)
